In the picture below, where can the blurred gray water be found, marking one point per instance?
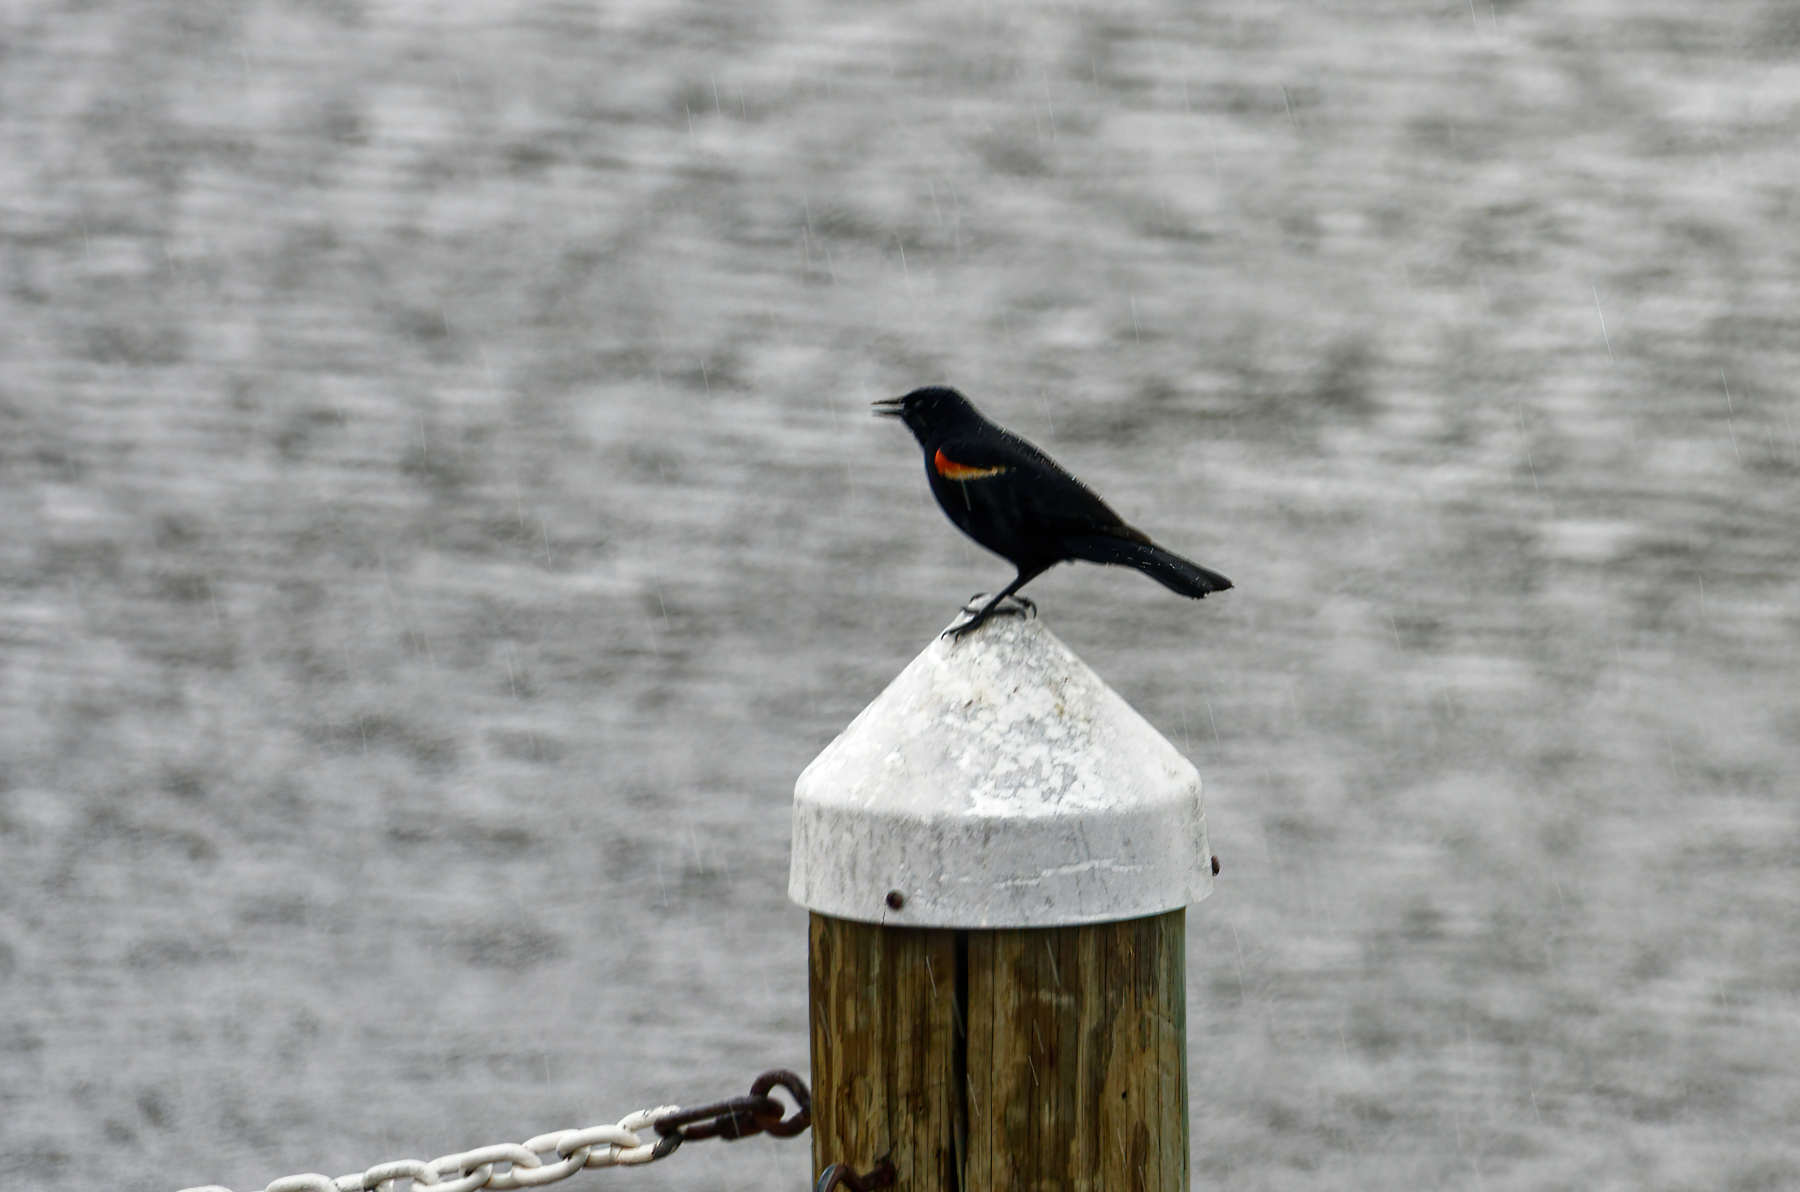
(439, 518)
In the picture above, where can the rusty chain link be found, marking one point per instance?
(559, 1154)
(740, 1117)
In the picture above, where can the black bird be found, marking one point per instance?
(1019, 503)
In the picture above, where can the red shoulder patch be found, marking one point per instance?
(949, 469)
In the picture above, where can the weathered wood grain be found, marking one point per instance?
(883, 1043)
(1069, 1074)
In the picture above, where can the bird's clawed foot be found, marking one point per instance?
(1005, 606)
(955, 632)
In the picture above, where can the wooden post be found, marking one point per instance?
(998, 989)
(1070, 1073)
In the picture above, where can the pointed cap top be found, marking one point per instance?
(998, 782)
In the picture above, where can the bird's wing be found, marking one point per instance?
(1047, 494)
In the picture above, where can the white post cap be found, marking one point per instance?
(998, 782)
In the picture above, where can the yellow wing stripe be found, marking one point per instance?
(949, 469)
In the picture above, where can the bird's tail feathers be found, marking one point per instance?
(1165, 567)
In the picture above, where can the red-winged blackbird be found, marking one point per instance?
(1016, 501)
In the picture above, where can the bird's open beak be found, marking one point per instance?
(890, 407)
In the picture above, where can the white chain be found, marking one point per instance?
(531, 1164)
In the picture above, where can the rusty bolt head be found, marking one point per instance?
(895, 900)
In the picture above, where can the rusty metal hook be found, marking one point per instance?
(839, 1175)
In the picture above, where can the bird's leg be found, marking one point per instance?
(1026, 575)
